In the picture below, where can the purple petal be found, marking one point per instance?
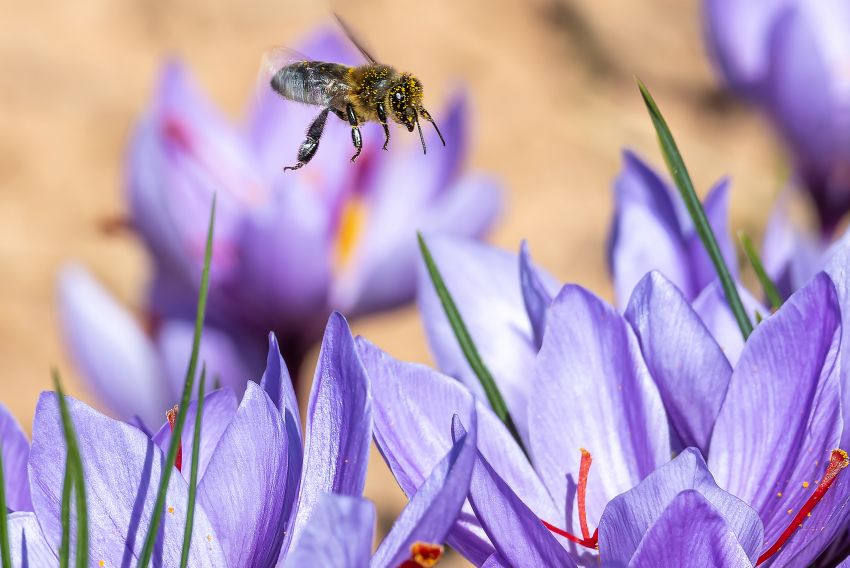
(484, 283)
(716, 207)
(339, 533)
(245, 481)
(113, 354)
(27, 544)
(590, 364)
(628, 517)
(516, 532)
(16, 451)
(219, 410)
(690, 532)
(838, 268)
(684, 360)
(790, 254)
(339, 422)
(782, 411)
(434, 508)
(122, 472)
(538, 291)
(413, 402)
(713, 310)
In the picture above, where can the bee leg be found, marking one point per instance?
(427, 116)
(382, 116)
(311, 143)
(355, 130)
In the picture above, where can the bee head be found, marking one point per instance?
(405, 97)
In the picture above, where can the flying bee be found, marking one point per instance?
(372, 92)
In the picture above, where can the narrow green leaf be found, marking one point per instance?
(193, 475)
(680, 175)
(770, 290)
(65, 545)
(156, 517)
(467, 345)
(76, 476)
(5, 552)
(759, 317)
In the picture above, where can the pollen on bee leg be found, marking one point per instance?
(423, 555)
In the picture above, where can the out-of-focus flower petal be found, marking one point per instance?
(339, 534)
(413, 402)
(219, 409)
(114, 355)
(538, 291)
(435, 506)
(713, 310)
(690, 532)
(244, 484)
(790, 255)
(686, 363)
(782, 414)
(485, 285)
(591, 361)
(628, 517)
(122, 472)
(339, 422)
(16, 451)
(27, 544)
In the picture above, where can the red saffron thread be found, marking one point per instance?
(587, 540)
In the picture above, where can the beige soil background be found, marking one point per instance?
(553, 99)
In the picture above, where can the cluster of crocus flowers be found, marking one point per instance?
(290, 246)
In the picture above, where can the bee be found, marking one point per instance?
(372, 92)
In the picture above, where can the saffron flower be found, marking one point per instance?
(290, 247)
(788, 57)
(256, 486)
(629, 389)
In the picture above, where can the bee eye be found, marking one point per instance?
(398, 96)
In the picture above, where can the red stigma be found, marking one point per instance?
(171, 416)
(587, 540)
(174, 131)
(423, 555)
(837, 461)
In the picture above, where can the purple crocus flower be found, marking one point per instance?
(789, 58)
(290, 247)
(630, 389)
(256, 487)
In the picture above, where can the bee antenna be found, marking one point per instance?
(421, 137)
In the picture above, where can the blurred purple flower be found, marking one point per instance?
(630, 389)
(789, 57)
(256, 486)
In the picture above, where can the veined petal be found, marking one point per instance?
(115, 357)
(245, 482)
(538, 291)
(593, 391)
(122, 472)
(687, 364)
(713, 309)
(27, 544)
(16, 452)
(339, 422)
(716, 207)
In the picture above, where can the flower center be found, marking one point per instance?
(171, 416)
(586, 540)
(838, 460)
(423, 555)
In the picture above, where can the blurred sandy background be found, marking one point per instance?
(553, 99)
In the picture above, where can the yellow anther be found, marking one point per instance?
(805, 485)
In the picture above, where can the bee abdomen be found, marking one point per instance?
(311, 82)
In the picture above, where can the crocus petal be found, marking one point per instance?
(838, 268)
(790, 254)
(339, 533)
(690, 532)
(517, 533)
(435, 506)
(628, 517)
(782, 411)
(538, 292)
(122, 473)
(484, 283)
(716, 207)
(686, 363)
(713, 309)
(223, 361)
(16, 451)
(413, 402)
(592, 390)
(219, 409)
(339, 422)
(243, 487)
(115, 357)
(27, 544)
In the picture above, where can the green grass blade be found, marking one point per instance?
(5, 551)
(686, 189)
(770, 290)
(467, 345)
(65, 545)
(193, 475)
(156, 517)
(76, 476)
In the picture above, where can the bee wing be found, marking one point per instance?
(356, 42)
(273, 60)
